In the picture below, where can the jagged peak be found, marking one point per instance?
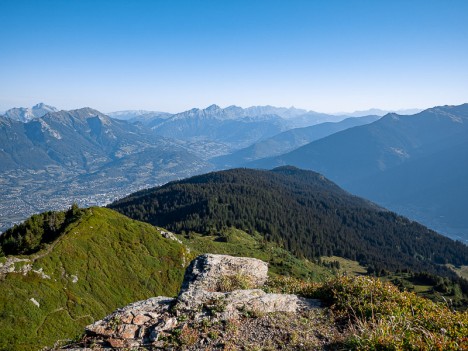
(213, 107)
(43, 106)
(26, 114)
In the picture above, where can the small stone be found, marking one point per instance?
(153, 315)
(169, 324)
(127, 331)
(34, 301)
(140, 319)
(126, 318)
(117, 342)
(158, 343)
(99, 330)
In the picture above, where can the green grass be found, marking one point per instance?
(239, 243)
(461, 271)
(346, 266)
(117, 261)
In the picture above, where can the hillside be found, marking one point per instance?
(100, 261)
(288, 141)
(416, 165)
(301, 210)
(80, 265)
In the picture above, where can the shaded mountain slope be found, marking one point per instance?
(303, 211)
(16, 148)
(287, 141)
(394, 157)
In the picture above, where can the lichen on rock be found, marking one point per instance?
(217, 291)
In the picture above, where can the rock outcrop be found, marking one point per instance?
(217, 291)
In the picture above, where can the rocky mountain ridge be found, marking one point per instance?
(26, 114)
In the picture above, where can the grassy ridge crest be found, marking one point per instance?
(100, 262)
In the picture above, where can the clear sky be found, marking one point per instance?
(328, 56)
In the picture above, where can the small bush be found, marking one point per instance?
(380, 317)
(234, 282)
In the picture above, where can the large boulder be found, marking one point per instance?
(224, 273)
(216, 288)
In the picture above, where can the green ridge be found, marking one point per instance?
(116, 260)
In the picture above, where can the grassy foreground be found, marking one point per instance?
(101, 262)
(376, 315)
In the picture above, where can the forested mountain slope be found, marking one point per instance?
(302, 210)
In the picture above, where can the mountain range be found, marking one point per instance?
(416, 165)
(233, 126)
(287, 141)
(380, 112)
(84, 156)
(49, 158)
(412, 164)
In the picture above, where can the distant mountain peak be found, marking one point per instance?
(213, 107)
(41, 105)
(25, 114)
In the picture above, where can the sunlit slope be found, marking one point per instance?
(102, 261)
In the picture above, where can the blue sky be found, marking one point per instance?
(173, 55)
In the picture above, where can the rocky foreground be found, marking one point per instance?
(219, 307)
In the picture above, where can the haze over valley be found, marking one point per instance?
(412, 164)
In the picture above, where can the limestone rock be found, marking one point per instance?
(209, 294)
(171, 236)
(207, 271)
(131, 322)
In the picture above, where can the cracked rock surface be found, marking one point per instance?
(212, 299)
